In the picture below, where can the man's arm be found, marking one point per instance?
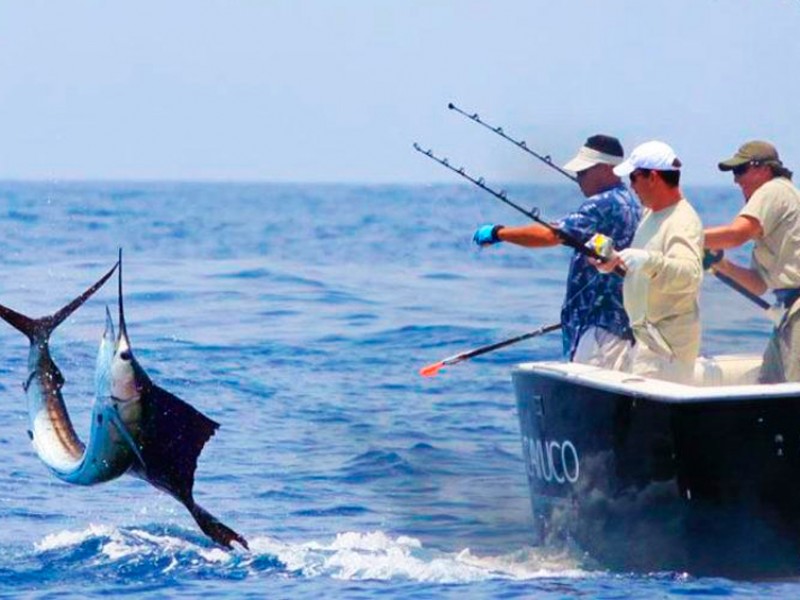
(748, 278)
(739, 231)
(679, 267)
(530, 236)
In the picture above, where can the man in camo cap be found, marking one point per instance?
(771, 219)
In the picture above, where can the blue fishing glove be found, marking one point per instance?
(486, 235)
(711, 257)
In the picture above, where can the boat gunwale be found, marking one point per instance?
(649, 388)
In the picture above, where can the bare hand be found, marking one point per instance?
(607, 266)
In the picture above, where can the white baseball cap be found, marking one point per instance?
(654, 155)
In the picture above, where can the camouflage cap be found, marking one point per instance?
(755, 151)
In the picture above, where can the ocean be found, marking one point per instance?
(298, 317)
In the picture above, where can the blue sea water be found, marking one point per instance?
(298, 317)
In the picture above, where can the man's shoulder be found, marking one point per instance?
(778, 194)
(778, 186)
(684, 215)
(612, 200)
(618, 193)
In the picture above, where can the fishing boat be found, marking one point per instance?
(648, 475)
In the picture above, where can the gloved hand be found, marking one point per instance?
(711, 257)
(486, 235)
(634, 258)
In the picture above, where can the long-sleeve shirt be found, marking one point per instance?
(661, 297)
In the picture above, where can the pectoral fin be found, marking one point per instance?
(126, 435)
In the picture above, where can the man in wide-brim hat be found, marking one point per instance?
(771, 219)
(595, 327)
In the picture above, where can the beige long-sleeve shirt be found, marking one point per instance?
(661, 297)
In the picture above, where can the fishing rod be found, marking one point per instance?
(731, 283)
(565, 238)
(518, 143)
(433, 368)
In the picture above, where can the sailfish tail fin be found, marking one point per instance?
(56, 319)
(214, 528)
(42, 328)
(19, 321)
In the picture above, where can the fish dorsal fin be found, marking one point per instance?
(172, 436)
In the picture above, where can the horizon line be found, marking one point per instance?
(290, 182)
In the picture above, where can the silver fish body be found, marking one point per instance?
(51, 431)
(136, 426)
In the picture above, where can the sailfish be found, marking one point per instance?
(136, 426)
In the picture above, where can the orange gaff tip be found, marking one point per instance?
(431, 370)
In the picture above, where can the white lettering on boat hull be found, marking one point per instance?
(551, 461)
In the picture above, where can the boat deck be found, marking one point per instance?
(724, 377)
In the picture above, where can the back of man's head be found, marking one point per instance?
(605, 144)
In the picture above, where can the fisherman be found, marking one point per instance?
(594, 324)
(663, 267)
(771, 219)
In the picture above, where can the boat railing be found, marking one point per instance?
(724, 370)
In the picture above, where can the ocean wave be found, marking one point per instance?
(150, 553)
(377, 555)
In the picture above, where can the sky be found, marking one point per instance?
(337, 91)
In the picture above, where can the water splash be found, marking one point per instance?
(378, 556)
(101, 551)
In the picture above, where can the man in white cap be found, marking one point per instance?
(664, 267)
(594, 324)
(771, 219)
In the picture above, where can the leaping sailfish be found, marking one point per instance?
(137, 427)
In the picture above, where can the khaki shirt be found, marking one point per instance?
(661, 298)
(776, 256)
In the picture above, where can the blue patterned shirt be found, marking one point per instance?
(593, 298)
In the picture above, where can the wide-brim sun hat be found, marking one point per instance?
(598, 149)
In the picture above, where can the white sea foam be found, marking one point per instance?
(119, 544)
(375, 555)
(348, 556)
(65, 539)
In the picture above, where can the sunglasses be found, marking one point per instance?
(635, 174)
(742, 169)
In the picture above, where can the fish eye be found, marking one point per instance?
(125, 355)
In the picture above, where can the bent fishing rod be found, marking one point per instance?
(433, 368)
(735, 285)
(565, 238)
(518, 143)
(731, 283)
